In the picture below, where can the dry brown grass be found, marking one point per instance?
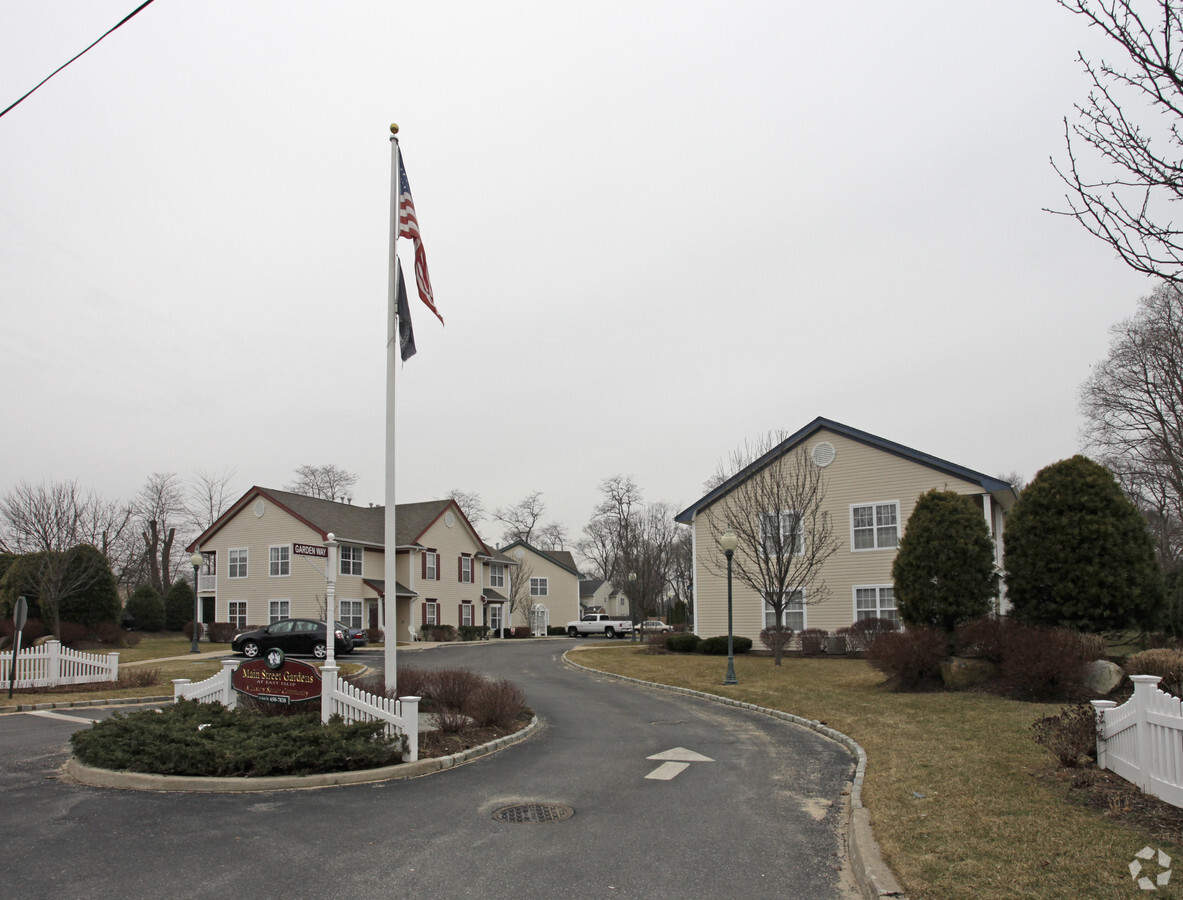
(989, 822)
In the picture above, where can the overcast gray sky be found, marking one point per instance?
(655, 230)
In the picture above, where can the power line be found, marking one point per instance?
(119, 24)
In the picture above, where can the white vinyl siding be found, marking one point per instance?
(239, 557)
(875, 526)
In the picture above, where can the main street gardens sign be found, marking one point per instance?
(275, 679)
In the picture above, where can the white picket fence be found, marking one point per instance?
(51, 665)
(337, 696)
(1142, 740)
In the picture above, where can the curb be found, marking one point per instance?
(139, 781)
(70, 704)
(874, 878)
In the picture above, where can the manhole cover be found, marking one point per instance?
(534, 813)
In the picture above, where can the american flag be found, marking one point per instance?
(408, 226)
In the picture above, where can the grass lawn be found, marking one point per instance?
(962, 801)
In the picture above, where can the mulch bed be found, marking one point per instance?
(1114, 798)
(434, 744)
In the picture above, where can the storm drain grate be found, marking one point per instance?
(534, 813)
(670, 722)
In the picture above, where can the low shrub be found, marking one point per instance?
(206, 739)
(110, 633)
(452, 687)
(862, 633)
(496, 703)
(1166, 664)
(72, 633)
(910, 659)
(655, 643)
(813, 640)
(770, 637)
(686, 642)
(1071, 736)
(474, 632)
(520, 631)
(375, 635)
(448, 720)
(222, 632)
(188, 629)
(441, 634)
(717, 646)
(1044, 663)
(556, 631)
(983, 638)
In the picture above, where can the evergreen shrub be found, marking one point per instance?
(686, 642)
(146, 609)
(717, 646)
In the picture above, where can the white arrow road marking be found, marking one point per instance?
(667, 770)
(49, 714)
(675, 762)
(681, 754)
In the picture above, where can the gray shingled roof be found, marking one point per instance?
(348, 523)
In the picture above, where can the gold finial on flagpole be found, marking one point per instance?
(394, 127)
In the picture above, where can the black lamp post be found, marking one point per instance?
(728, 542)
(632, 590)
(195, 561)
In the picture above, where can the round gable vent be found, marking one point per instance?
(260, 508)
(449, 519)
(823, 454)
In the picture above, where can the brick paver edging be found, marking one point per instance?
(872, 874)
(138, 781)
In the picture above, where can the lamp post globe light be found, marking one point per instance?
(195, 561)
(728, 543)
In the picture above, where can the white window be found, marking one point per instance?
(238, 563)
(236, 614)
(466, 570)
(351, 560)
(793, 616)
(280, 560)
(875, 602)
(431, 613)
(875, 526)
(351, 613)
(465, 613)
(790, 534)
(279, 610)
(538, 587)
(496, 575)
(431, 566)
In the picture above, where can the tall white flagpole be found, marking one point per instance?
(390, 576)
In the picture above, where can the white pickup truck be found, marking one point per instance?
(599, 623)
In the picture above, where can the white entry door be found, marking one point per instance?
(495, 618)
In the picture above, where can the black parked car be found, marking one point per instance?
(295, 637)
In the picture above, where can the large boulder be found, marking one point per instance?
(1102, 676)
(961, 672)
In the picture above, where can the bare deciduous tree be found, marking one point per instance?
(327, 482)
(1133, 407)
(521, 519)
(520, 600)
(551, 536)
(785, 536)
(49, 522)
(208, 497)
(159, 509)
(645, 557)
(470, 504)
(608, 529)
(1129, 129)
